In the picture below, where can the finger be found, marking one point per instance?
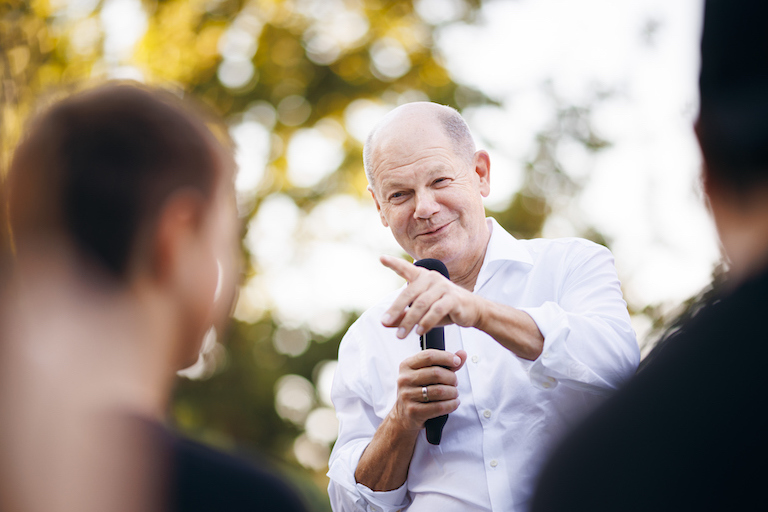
(427, 376)
(421, 306)
(433, 357)
(434, 409)
(407, 271)
(435, 393)
(398, 308)
(396, 312)
(462, 355)
(428, 282)
(433, 376)
(438, 312)
(421, 412)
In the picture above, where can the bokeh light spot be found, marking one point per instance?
(389, 59)
(293, 110)
(294, 398)
(322, 425)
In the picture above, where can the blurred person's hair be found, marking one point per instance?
(98, 166)
(733, 118)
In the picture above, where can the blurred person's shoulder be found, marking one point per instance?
(691, 420)
(202, 479)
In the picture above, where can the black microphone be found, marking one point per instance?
(435, 338)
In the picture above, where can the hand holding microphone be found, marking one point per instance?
(430, 300)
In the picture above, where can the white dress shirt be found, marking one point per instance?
(512, 410)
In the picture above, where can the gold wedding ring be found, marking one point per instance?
(424, 393)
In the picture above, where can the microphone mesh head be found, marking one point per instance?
(433, 264)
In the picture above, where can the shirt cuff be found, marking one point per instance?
(553, 324)
(557, 363)
(342, 476)
(384, 501)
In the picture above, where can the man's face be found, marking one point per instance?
(429, 196)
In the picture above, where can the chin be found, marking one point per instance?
(440, 251)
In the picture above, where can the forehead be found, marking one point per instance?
(410, 148)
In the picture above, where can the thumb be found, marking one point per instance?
(462, 356)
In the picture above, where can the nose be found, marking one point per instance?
(426, 205)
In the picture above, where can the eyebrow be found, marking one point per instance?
(394, 183)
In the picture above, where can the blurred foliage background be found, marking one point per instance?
(298, 82)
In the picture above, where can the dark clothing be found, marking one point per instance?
(208, 480)
(689, 432)
(198, 478)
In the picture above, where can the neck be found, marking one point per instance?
(466, 275)
(468, 279)
(742, 224)
(95, 349)
(746, 247)
(77, 363)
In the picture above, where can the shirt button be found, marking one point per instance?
(475, 359)
(487, 413)
(494, 463)
(546, 385)
(545, 355)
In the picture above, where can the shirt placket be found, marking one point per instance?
(485, 394)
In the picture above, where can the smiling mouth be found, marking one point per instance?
(434, 231)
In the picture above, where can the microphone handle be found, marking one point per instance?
(435, 338)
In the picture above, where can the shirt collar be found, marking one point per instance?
(502, 247)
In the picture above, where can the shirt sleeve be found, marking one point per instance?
(357, 424)
(589, 343)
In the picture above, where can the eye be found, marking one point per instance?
(441, 182)
(397, 197)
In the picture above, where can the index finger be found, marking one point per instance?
(406, 270)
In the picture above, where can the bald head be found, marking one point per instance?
(412, 116)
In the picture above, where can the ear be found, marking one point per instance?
(178, 224)
(482, 164)
(378, 207)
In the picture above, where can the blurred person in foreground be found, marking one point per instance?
(689, 431)
(541, 325)
(121, 206)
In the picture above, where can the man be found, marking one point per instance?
(536, 331)
(121, 205)
(689, 431)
